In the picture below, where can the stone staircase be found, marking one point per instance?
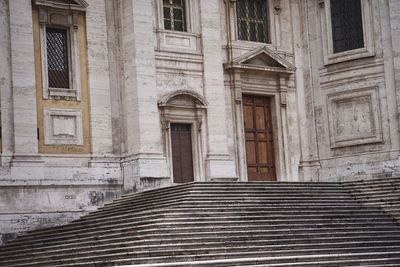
(382, 193)
(220, 224)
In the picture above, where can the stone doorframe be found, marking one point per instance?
(185, 106)
(266, 63)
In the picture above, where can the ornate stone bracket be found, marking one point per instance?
(277, 7)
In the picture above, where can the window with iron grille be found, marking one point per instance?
(174, 15)
(252, 21)
(57, 57)
(347, 25)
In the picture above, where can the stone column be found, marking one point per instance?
(145, 164)
(219, 163)
(23, 78)
(6, 104)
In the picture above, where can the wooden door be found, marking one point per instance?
(259, 138)
(182, 158)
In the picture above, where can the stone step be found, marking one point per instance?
(224, 216)
(378, 181)
(205, 225)
(186, 232)
(266, 245)
(291, 206)
(161, 223)
(232, 198)
(273, 210)
(212, 213)
(238, 189)
(220, 253)
(372, 190)
(232, 195)
(56, 254)
(239, 185)
(309, 261)
(201, 241)
(291, 235)
(226, 187)
(381, 197)
(187, 202)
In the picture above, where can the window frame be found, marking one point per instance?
(184, 16)
(188, 41)
(188, 16)
(268, 30)
(326, 24)
(60, 19)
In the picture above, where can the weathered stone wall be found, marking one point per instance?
(47, 189)
(353, 97)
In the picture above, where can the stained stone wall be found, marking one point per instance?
(335, 118)
(354, 97)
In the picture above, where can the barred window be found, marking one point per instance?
(347, 25)
(174, 15)
(252, 21)
(57, 57)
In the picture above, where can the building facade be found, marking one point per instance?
(100, 97)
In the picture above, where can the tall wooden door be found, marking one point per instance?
(182, 158)
(259, 138)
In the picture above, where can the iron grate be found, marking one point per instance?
(57, 57)
(252, 21)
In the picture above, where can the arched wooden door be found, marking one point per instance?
(260, 153)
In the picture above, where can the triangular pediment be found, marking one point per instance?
(263, 59)
(63, 4)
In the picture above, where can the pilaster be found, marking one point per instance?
(144, 155)
(23, 77)
(99, 81)
(391, 39)
(309, 157)
(6, 102)
(219, 163)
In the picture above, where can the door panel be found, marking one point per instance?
(182, 157)
(259, 139)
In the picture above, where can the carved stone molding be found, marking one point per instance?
(354, 117)
(63, 127)
(79, 5)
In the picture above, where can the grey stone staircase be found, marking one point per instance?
(220, 224)
(381, 193)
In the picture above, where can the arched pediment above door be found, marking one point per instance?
(80, 5)
(183, 98)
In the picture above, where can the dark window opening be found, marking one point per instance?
(174, 15)
(57, 57)
(347, 28)
(252, 20)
